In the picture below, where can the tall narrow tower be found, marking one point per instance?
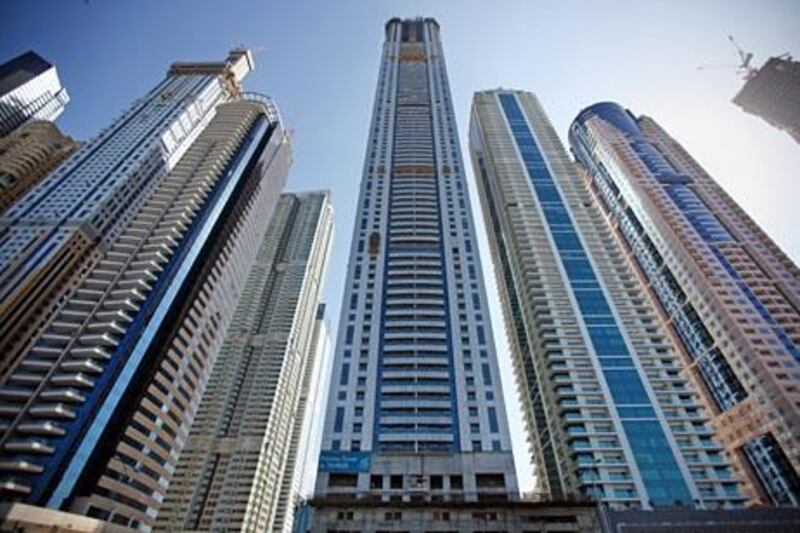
(609, 413)
(97, 408)
(415, 410)
(52, 235)
(237, 471)
(731, 295)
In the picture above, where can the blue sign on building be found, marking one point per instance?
(330, 461)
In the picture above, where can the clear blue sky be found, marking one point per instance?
(319, 59)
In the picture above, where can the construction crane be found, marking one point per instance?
(744, 68)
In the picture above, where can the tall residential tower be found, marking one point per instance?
(726, 289)
(415, 410)
(29, 90)
(237, 472)
(609, 413)
(98, 406)
(52, 235)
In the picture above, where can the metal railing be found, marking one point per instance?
(272, 110)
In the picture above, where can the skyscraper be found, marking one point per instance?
(316, 401)
(609, 413)
(773, 93)
(415, 409)
(304, 448)
(97, 409)
(726, 289)
(53, 235)
(29, 90)
(27, 155)
(237, 471)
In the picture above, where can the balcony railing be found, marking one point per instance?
(272, 110)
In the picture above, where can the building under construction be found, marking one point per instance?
(773, 93)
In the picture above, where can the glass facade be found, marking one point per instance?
(645, 434)
(670, 199)
(608, 411)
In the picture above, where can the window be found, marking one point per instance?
(481, 335)
(487, 374)
(493, 425)
(338, 422)
(456, 482)
(396, 482)
(342, 480)
(437, 482)
(490, 480)
(376, 482)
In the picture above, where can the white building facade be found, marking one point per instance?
(415, 408)
(610, 411)
(238, 470)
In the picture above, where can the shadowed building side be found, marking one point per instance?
(238, 469)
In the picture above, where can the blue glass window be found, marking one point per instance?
(338, 422)
(487, 374)
(654, 457)
(607, 340)
(626, 386)
(493, 425)
(592, 302)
